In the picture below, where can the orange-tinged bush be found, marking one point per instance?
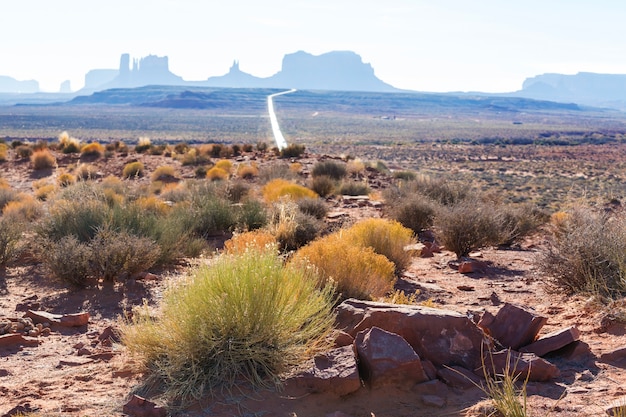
(42, 159)
(217, 174)
(295, 167)
(247, 171)
(93, 149)
(385, 237)
(224, 164)
(361, 273)
(43, 192)
(65, 179)
(152, 204)
(4, 184)
(275, 189)
(133, 170)
(26, 208)
(165, 173)
(256, 240)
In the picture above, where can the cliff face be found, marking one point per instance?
(11, 85)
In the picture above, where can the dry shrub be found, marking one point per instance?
(143, 145)
(467, 226)
(133, 170)
(4, 184)
(276, 170)
(25, 209)
(323, 185)
(416, 212)
(518, 221)
(355, 167)
(42, 159)
(279, 188)
(295, 167)
(247, 317)
(66, 259)
(7, 195)
(152, 204)
(254, 240)
(165, 173)
(85, 172)
(292, 228)
(332, 169)
(3, 152)
(292, 150)
(354, 188)
(587, 253)
(217, 174)
(65, 179)
(44, 191)
(247, 171)
(313, 207)
(10, 237)
(385, 237)
(24, 151)
(225, 165)
(119, 255)
(92, 150)
(68, 144)
(355, 271)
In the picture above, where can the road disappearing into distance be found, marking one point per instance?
(281, 143)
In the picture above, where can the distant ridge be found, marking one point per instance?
(11, 85)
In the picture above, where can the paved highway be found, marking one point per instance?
(281, 143)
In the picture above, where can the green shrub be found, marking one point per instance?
(78, 218)
(10, 237)
(251, 215)
(332, 169)
(323, 185)
(518, 221)
(354, 188)
(67, 259)
(133, 170)
(247, 317)
(467, 226)
(405, 175)
(292, 228)
(292, 151)
(386, 237)
(587, 253)
(237, 191)
(439, 190)
(415, 212)
(119, 255)
(360, 273)
(314, 207)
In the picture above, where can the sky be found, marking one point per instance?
(422, 45)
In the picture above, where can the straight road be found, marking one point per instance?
(281, 143)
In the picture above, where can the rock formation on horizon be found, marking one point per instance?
(11, 85)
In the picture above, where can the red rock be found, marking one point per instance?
(429, 369)
(579, 352)
(513, 326)
(343, 339)
(335, 372)
(553, 341)
(615, 357)
(433, 401)
(67, 320)
(440, 336)
(387, 359)
(140, 407)
(11, 339)
(434, 387)
(458, 377)
(74, 320)
(520, 364)
(108, 336)
(471, 266)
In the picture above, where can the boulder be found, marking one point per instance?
(458, 377)
(513, 326)
(140, 407)
(334, 372)
(615, 357)
(342, 339)
(522, 365)
(553, 341)
(440, 336)
(471, 266)
(387, 359)
(66, 320)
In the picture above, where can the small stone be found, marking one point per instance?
(45, 331)
(140, 407)
(33, 333)
(433, 401)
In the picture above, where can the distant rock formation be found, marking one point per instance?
(11, 85)
(66, 87)
(584, 88)
(235, 78)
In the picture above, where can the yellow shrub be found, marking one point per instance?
(275, 189)
(26, 208)
(164, 173)
(355, 270)
(224, 164)
(217, 174)
(42, 159)
(247, 171)
(355, 166)
(66, 179)
(112, 197)
(44, 191)
(3, 152)
(152, 204)
(295, 167)
(400, 297)
(560, 219)
(93, 149)
(386, 237)
(257, 239)
(114, 183)
(4, 184)
(133, 170)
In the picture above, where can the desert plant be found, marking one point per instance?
(65, 178)
(68, 144)
(292, 228)
(119, 255)
(587, 253)
(385, 237)
(66, 259)
(323, 185)
(42, 159)
(332, 169)
(45, 191)
(354, 188)
(26, 209)
(253, 240)
(416, 212)
(143, 144)
(247, 317)
(165, 173)
(7, 195)
(85, 172)
(362, 273)
(313, 206)
(355, 167)
(217, 174)
(274, 171)
(466, 226)
(251, 215)
(133, 170)
(247, 171)
(518, 221)
(24, 151)
(92, 150)
(78, 218)
(405, 175)
(10, 237)
(279, 188)
(3, 152)
(292, 150)
(224, 164)
(237, 191)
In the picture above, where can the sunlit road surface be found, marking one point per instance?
(281, 143)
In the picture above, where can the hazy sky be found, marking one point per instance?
(434, 45)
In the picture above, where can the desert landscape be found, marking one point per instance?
(438, 265)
